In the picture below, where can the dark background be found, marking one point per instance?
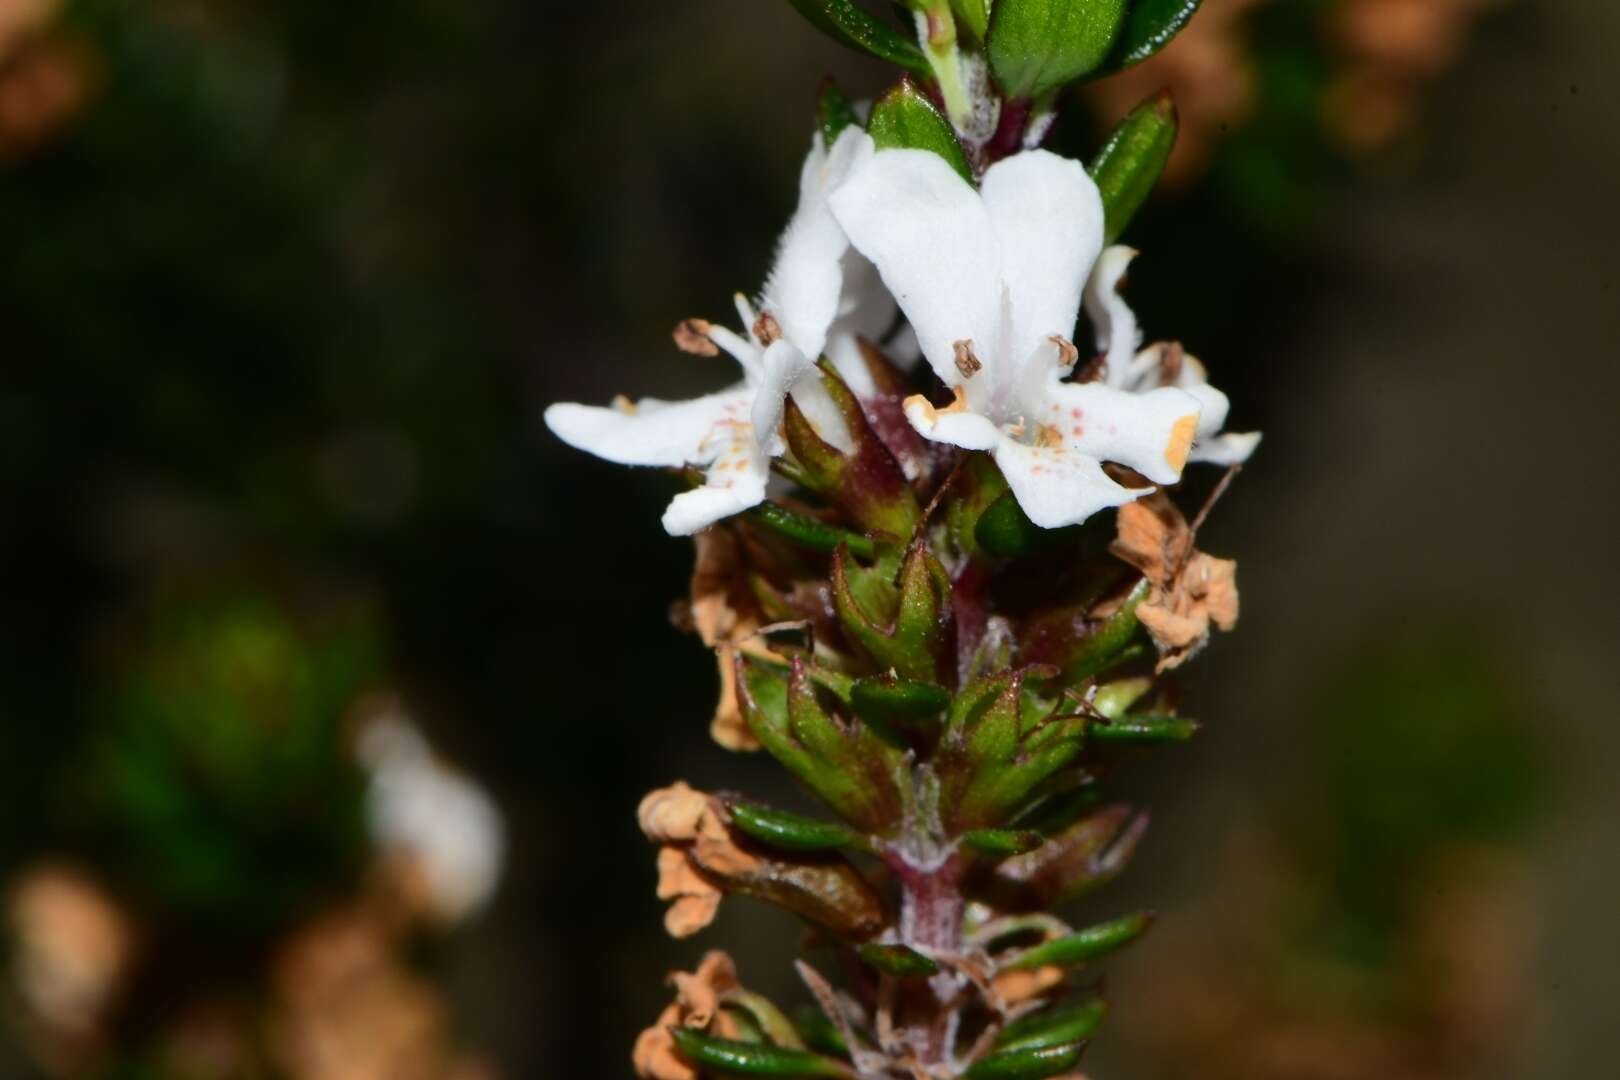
(280, 311)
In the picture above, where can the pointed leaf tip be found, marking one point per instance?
(1150, 26)
(1130, 162)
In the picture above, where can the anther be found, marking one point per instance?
(692, 336)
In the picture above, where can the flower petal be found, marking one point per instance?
(1048, 217)
(931, 238)
(711, 432)
(1211, 447)
(731, 485)
(1152, 433)
(649, 432)
(953, 424)
(1112, 319)
(806, 283)
(1058, 485)
(1229, 449)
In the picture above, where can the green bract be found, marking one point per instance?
(905, 119)
(1037, 46)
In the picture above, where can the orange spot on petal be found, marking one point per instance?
(1181, 440)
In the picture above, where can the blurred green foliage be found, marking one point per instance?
(1430, 746)
(222, 791)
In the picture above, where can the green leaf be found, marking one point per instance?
(834, 113)
(1002, 841)
(898, 960)
(791, 832)
(1084, 945)
(850, 768)
(1031, 1063)
(754, 1059)
(1105, 646)
(1149, 27)
(1037, 46)
(813, 534)
(849, 24)
(1130, 162)
(1145, 729)
(904, 119)
(973, 15)
(818, 1032)
(1053, 1028)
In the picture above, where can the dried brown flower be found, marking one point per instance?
(72, 948)
(679, 817)
(345, 1008)
(723, 617)
(1190, 591)
(696, 1005)
(44, 84)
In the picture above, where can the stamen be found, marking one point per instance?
(767, 331)
(967, 362)
(1068, 355)
(692, 337)
(1171, 358)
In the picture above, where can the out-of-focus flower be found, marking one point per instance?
(19, 19)
(44, 84)
(345, 1009)
(991, 281)
(433, 824)
(1390, 50)
(1190, 591)
(1206, 68)
(1127, 366)
(696, 1005)
(820, 298)
(73, 946)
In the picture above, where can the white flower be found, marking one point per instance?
(423, 810)
(1126, 368)
(991, 281)
(819, 299)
